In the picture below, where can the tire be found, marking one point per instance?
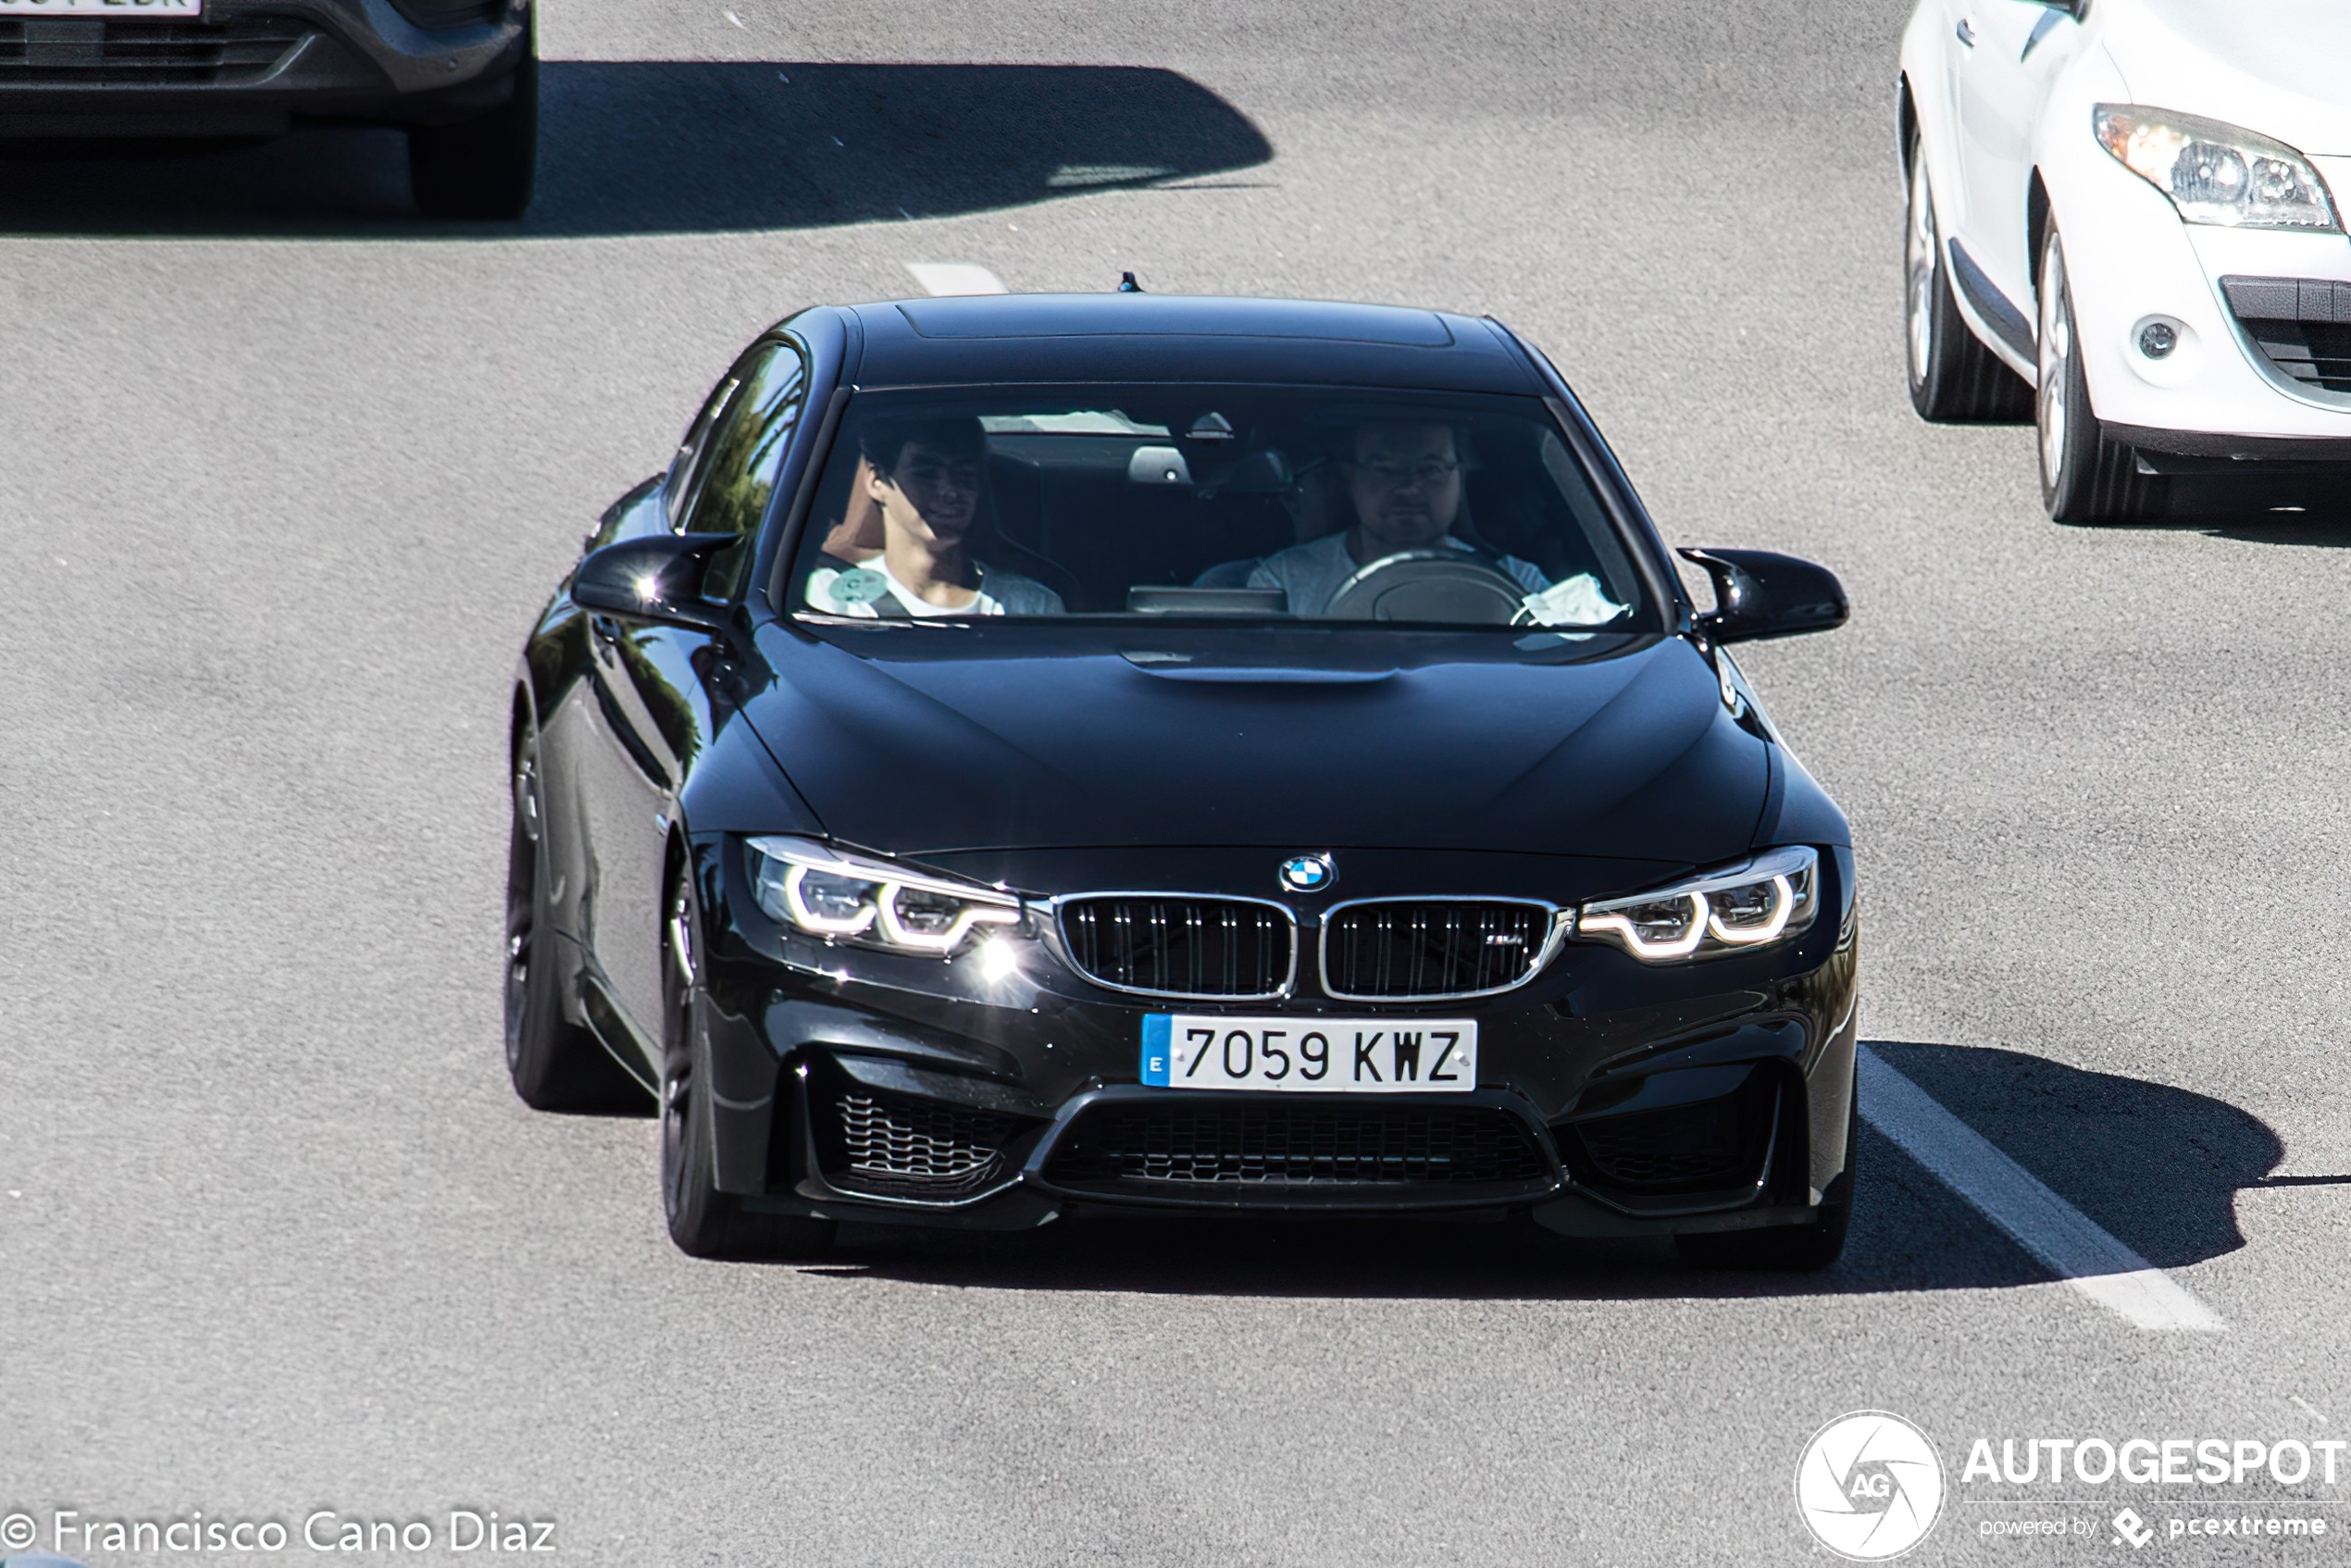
(1954, 379)
(481, 168)
(705, 1222)
(2084, 477)
(556, 1064)
(1791, 1248)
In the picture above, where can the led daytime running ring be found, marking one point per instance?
(796, 900)
(879, 917)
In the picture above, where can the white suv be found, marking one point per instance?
(2133, 206)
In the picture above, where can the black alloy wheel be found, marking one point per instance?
(2085, 478)
(705, 1222)
(556, 1064)
(1793, 1249)
(484, 169)
(1954, 378)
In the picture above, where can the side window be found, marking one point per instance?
(744, 454)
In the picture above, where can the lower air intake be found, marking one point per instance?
(1714, 1143)
(911, 1147)
(2301, 325)
(1279, 1144)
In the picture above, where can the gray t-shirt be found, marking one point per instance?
(1311, 574)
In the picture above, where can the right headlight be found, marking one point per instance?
(2216, 173)
(1770, 897)
(848, 898)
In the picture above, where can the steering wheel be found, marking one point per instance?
(1444, 586)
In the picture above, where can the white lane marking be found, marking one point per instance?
(2307, 1407)
(2064, 1239)
(956, 278)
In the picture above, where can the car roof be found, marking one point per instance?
(1139, 337)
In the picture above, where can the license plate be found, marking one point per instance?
(1314, 1055)
(112, 10)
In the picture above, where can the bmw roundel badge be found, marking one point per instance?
(1308, 873)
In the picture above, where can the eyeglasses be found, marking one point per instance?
(1396, 476)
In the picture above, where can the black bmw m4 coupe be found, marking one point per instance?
(1043, 755)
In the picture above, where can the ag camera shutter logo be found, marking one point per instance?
(1870, 1486)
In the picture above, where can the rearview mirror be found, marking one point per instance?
(1759, 593)
(658, 578)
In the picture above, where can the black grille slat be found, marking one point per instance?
(2301, 325)
(1260, 1144)
(893, 1144)
(448, 13)
(1437, 947)
(91, 51)
(1179, 946)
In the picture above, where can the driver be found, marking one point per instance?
(1404, 482)
(928, 480)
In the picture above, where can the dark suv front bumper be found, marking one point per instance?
(252, 67)
(1615, 1098)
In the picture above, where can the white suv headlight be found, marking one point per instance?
(1772, 898)
(827, 893)
(2216, 173)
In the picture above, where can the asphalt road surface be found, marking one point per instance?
(284, 473)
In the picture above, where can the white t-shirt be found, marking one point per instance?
(1311, 574)
(853, 591)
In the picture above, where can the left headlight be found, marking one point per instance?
(827, 893)
(2216, 173)
(1772, 898)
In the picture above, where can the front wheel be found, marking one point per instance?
(485, 167)
(705, 1222)
(1953, 375)
(2085, 478)
(556, 1064)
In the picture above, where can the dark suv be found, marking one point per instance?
(462, 75)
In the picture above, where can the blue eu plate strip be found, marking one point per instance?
(1158, 1028)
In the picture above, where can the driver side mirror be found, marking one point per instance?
(658, 579)
(1759, 593)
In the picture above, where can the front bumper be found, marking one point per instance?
(1614, 1098)
(252, 67)
(2218, 399)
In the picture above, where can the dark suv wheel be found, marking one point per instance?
(481, 168)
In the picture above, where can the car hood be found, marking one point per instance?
(2276, 67)
(914, 741)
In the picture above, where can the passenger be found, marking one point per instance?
(928, 479)
(1403, 482)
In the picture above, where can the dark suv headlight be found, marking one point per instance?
(1769, 899)
(821, 891)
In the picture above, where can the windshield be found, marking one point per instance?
(1248, 504)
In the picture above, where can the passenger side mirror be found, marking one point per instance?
(1759, 593)
(658, 578)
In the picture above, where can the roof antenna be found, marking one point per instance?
(1126, 284)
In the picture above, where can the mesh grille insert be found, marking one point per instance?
(1181, 946)
(916, 1148)
(1431, 948)
(1715, 1142)
(1280, 1144)
(66, 51)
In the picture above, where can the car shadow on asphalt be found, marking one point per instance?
(2157, 1166)
(2311, 510)
(649, 147)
